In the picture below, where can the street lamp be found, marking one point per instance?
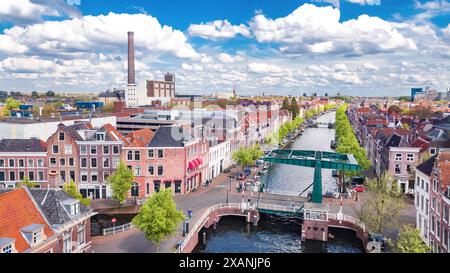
(229, 188)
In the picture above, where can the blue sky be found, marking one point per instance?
(359, 47)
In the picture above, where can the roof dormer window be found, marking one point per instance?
(72, 207)
(100, 136)
(7, 245)
(33, 233)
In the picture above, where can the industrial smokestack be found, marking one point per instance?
(131, 69)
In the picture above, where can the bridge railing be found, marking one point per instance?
(349, 219)
(279, 208)
(114, 230)
(204, 217)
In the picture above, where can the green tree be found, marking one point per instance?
(381, 208)
(10, 104)
(50, 93)
(121, 181)
(26, 182)
(285, 104)
(35, 94)
(293, 107)
(158, 217)
(72, 190)
(243, 157)
(409, 241)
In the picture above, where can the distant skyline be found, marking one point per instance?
(284, 47)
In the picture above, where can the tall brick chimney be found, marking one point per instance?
(131, 69)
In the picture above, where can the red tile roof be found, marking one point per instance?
(112, 131)
(420, 143)
(140, 138)
(444, 168)
(17, 210)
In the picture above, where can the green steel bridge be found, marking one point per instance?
(314, 159)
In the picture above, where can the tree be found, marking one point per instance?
(394, 108)
(305, 95)
(26, 182)
(293, 107)
(10, 104)
(285, 105)
(409, 241)
(72, 190)
(50, 93)
(121, 181)
(35, 94)
(243, 157)
(382, 206)
(158, 217)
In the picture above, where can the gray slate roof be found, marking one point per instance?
(22, 145)
(427, 166)
(50, 202)
(164, 137)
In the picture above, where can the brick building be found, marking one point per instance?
(21, 158)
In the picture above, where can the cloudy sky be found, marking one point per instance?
(287, 47)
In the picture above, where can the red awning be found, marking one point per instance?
(200, 161)
(191, 165)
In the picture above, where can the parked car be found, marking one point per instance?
(359, 188)
(333, 194)
(227, 170)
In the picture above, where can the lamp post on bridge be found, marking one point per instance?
(229, 188)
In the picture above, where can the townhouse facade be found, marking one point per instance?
(21, 159)
(422, 197)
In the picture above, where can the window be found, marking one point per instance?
(116, 161)
(160, 153)
(72, 175)
(2, 163)
(40, 175)
(105, 176)
(55, 149)
(21, 175)
(71, 162)
(67, 244)
(445, 216)
(147, 188)
(62, 162)
(93, 150)
(31, 176)
(150, 153)
(11, 163)
(105, 162)
(81, 235)
(432, 151)
(83, 162)
(397, 169)
(30, 163)
(12, 176)
(156, 185)
(137, 170)
(137, 155)
(167, 184)
(94, 177)
(93, 162)
(40, 162)
(68, 149)
(409, 157)
(21, 163)
(61, 136)
(105, 150)
(83, 150)
(115, 149)
(409, 169)
(53, 161)
(151, 170)
(160, 170)
(62, 175)
(2, 176)
(129, 155)
(398, 157)
(100, 136)
(37, 237)
(7, 249)
(84, 177)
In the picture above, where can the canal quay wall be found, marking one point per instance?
(212, 216)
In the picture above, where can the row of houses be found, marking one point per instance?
(193, 148)
(397, 143)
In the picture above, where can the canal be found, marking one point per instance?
(294, 179)
(278, 235)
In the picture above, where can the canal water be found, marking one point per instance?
(272, 235)
(278, 235)
(294, 179)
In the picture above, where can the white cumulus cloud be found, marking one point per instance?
(218, 29)
(264, 68)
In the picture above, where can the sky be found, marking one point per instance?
(282, 47)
